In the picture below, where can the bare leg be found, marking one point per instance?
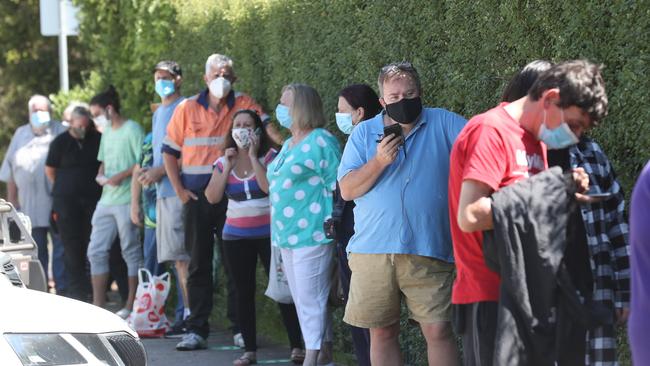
(441, 346)
(133, 286)
(384, 346)
(182, 269)
(325, 355)
(311, 357)
(99, 283)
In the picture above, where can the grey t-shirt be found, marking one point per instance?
(24, 164)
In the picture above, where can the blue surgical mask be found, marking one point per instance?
(344, 121)
(40, 119)
(283, 116)
(559, 137)
(164, 87)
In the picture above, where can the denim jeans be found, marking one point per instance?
(58, 267)
(150, 256)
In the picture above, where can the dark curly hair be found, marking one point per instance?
(581, 84)
(265, 141)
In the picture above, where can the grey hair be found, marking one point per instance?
(34, 99)
(81, 110)
(398, 69)
(218, 61)
(72, 106)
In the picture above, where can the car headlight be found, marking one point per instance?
(44, 349)
(112, 349)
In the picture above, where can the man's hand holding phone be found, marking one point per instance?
(389, 146)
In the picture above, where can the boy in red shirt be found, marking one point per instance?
(496, 149)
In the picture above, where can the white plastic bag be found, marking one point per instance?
(148, 317)
(278, 288)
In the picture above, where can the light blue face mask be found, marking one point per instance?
(344, 121)
(165, 88)
(283, 116)
(40, 119)
(559, 137)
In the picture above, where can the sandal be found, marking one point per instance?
(248, 358)
(297, 356)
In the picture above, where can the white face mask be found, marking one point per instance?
(101, 122)
(242, 137)
(219, 87)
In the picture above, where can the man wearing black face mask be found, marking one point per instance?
(401, 243)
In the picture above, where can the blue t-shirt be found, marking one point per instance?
(159, 123)
(406, 211)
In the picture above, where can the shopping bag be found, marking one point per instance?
(148, 317)
(278, 288)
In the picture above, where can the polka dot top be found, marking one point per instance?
(301, 181)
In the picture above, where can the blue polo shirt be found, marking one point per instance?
(159, 123)
(406, 211)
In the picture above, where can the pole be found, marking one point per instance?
(63, 48)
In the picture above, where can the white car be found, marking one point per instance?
(42, 329)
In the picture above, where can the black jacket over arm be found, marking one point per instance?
(538, 301)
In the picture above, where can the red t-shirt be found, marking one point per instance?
(493, 149)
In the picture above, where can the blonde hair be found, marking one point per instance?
(307, 110)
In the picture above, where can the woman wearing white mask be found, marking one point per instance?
(301, 183)
(241, 175)
(356, 103)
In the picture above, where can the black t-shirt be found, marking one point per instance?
(76, 166)
(576, 254)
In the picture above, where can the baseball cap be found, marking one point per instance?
(170, 66)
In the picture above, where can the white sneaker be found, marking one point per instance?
(123, 313)
(238, 339)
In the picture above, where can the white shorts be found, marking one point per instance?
(170, 233)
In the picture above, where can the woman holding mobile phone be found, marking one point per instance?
(240, 174)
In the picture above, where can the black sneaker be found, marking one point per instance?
(177, 330)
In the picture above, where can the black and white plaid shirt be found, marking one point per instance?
(607, 239)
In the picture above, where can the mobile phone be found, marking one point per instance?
(258, 132)
(395, 129)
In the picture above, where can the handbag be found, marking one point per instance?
(278, 288)
(148, 317)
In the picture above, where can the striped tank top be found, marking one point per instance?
(248, 215)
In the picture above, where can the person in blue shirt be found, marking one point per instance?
(169, 236)
(401, 245)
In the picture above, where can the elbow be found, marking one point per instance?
(346, 194)
(466, 226)
(211, 197)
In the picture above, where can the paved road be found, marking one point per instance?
(161, 352)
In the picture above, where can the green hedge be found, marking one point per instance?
(465, 51)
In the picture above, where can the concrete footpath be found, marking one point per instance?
(220, 352)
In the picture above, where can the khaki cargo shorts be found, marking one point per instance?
(379, 281)
(170, 232)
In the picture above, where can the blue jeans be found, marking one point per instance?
(58, 267)
(150, 256)
(40, 237)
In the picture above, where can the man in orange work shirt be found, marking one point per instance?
(193, 142)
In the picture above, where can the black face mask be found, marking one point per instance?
(406, 111)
